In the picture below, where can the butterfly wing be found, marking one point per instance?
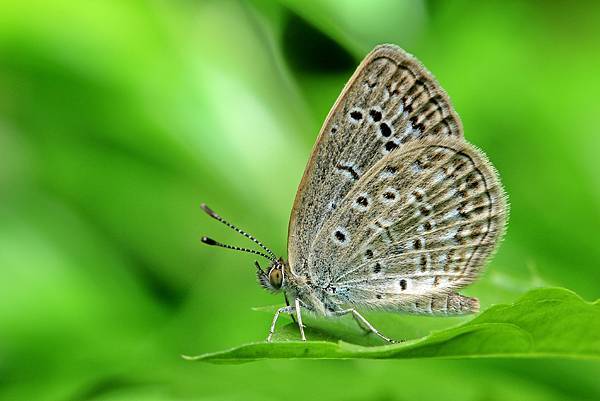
(418, 226)
(390, 101)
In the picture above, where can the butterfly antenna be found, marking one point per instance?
(212, 242)
(215, 216)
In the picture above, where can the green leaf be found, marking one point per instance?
(547, 322)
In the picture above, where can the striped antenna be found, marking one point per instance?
(212, 242)
(209, 241)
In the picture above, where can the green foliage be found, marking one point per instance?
(543, 323)
(118, 118)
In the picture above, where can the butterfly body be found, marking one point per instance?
(396, 211)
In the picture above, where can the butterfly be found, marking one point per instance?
(396, 211)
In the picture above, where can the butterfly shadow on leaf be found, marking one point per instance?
(289, 332)
(398, 327)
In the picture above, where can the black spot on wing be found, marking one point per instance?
(348, 169)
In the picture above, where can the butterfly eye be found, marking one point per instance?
(275, 278)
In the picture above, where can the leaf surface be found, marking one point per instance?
(547, 322)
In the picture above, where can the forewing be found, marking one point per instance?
(420, 224)
(390, 101)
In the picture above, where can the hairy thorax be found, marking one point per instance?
(316, 298)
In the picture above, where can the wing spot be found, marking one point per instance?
(474, 184)
(362, 202)
(390, 145)
(385, 130)
(340, 236)
(389, 196)
(370, 84)
(356, 115)
(348, 169)
(479, 210)
(403, 284)
(388, 171)
(369, 254)
(419, 194)
(377, 268)
(392, 92)
(425, 210)
(417, 166)
(416, 126)
(375, 115)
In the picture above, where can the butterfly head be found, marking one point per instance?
(273, 279)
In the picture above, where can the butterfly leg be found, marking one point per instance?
(364, 324)
(288, 304)
(285, 309)
(299, 317)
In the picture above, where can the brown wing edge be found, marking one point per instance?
(392, 52)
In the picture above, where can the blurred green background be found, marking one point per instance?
(118, 118)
